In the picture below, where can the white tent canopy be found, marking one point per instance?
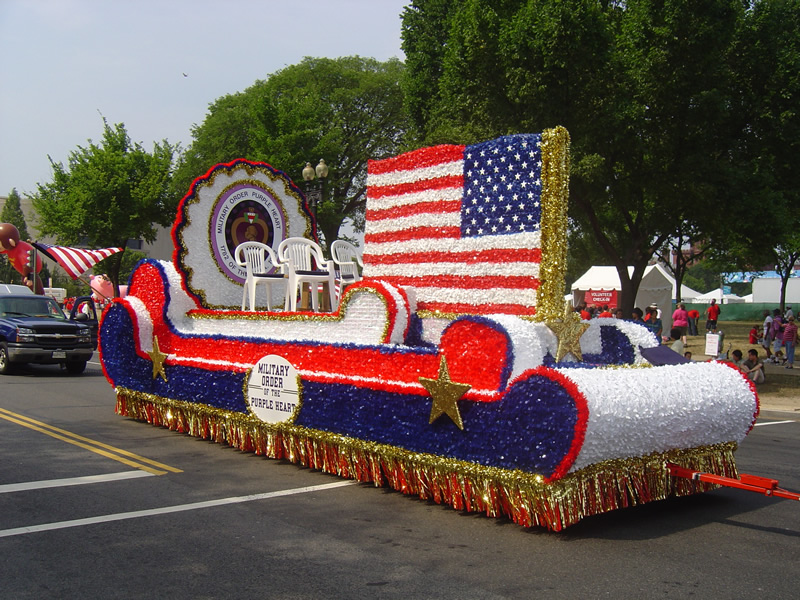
(767, 289)
(719, 297)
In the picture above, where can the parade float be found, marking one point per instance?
(451, 371)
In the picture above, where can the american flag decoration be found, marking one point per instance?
(461, 225)
(75, 261)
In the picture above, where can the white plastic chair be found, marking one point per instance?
(258, 260)
(348, 259)
(304, 263)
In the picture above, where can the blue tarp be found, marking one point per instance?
(748, 276)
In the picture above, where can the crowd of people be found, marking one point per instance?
(650, 317)
(686, 322)
(778, 334)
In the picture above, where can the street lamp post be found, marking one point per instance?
(315, 189)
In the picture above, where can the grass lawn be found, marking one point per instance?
(780, 382)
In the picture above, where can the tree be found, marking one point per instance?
(109, 193)
(769, 60)
(345, 110)
(643, 86)
(12, 213)
(761, 232)
(786, 257)
(774, 132)
(765, 59)
(128, 264)
(426, 28)
(583, 255)
(703, 276)
(680, 252)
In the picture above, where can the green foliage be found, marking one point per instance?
(74, 287)
(8, 274)
(345, 110)
(583, 254)
(109, 193)
(787, 255)
(12, 213)
(129, 261)
(656, 95)
(479, 105)
(703, 277)
(765, 58)
(426, 28)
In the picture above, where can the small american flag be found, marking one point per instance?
(459, 224)
(75, 261)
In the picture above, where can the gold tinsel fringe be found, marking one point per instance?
(524, 498)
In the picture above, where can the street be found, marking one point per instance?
(94, 505)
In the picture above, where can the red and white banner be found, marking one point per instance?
(75, 261)
(601, 298)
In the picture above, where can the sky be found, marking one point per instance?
(155, 66)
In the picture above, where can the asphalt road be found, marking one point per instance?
(150, 513)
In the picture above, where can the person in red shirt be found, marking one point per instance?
(753, 338)
(584, 312)
(694, 317)
(605, 314)
(713, 314)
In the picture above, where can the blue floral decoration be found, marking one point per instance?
(531, 428)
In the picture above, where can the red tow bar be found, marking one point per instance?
(751, 483)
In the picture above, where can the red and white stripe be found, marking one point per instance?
(76, 261)
(413, 238)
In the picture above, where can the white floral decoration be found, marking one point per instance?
(530, 342)
(365, 322)
(639, 336)
(635, 412)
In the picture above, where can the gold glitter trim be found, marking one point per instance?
(445, 394)
(435, 314)
(525, 498)
(158, 358)
(231, 315)
(569, 331)
(451, 316)
(555, 204)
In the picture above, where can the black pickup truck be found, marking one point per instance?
(34, 329)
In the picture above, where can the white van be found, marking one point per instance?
(13, 288)
(57, 294)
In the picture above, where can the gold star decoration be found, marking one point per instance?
(445, 394)
(158, 359)
(568, 331)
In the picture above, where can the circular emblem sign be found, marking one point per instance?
(272, 389)
(244, 213)
(233, 203)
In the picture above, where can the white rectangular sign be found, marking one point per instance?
(712, 344)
